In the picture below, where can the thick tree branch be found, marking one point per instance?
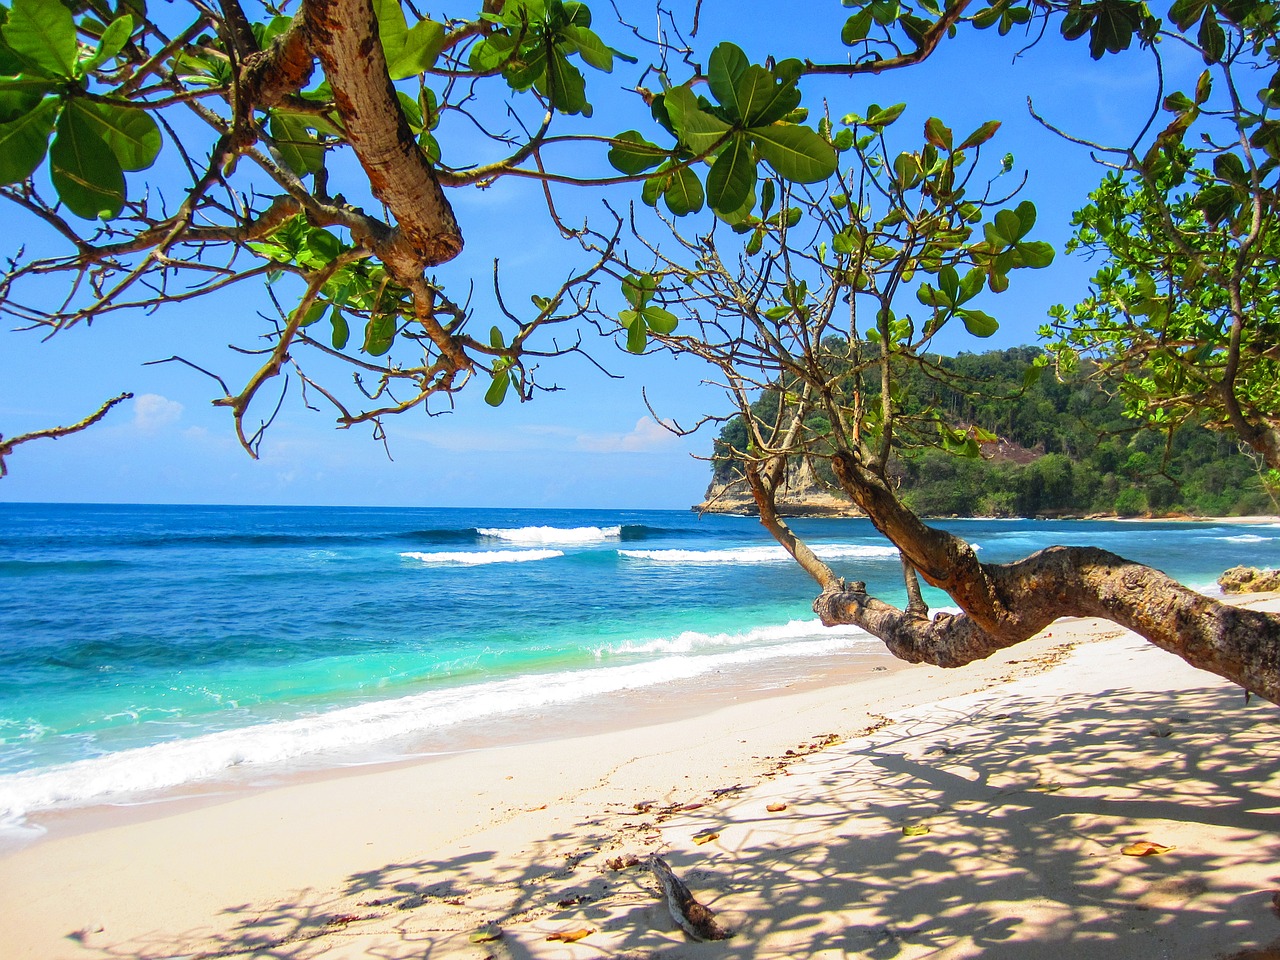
(345, 35)
(1239, 644)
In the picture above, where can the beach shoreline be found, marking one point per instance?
(1027, 772)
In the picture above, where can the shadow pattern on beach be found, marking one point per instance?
(994, 831)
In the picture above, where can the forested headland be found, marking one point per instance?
(1048, 445)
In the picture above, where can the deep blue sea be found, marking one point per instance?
(156, 647)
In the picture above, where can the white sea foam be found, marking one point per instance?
(479, 557)
(691, 641)
(552, 534)
(124, 776)
(1246, 538)
(828, 551)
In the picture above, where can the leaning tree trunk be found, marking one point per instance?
(1004, 604)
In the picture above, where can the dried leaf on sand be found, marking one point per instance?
(1145, 848)
(571, 936)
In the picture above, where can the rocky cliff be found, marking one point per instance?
(802, 496)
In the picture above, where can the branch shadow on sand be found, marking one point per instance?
(993, 831)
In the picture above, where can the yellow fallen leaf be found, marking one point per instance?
(914, 830)
(571, 936)
(490, 931)
(705, 838)
(1144, 848)
(776, 807)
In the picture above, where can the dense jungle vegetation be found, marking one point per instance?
(1062, 447)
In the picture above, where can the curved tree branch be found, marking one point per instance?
(53, 433)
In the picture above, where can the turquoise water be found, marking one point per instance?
(148, 647)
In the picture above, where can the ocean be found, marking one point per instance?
(150, 649)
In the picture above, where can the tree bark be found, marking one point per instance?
(345, 37)
(1005, 604)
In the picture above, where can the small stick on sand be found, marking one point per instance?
(694, 919)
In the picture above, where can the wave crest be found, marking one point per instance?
(552, 534)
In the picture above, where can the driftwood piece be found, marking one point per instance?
(694, 919)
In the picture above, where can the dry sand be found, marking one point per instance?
(972, 813)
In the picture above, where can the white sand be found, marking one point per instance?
(1031, 772)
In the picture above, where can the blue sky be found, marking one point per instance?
(593, 444)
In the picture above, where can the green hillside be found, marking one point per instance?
(1065, 449)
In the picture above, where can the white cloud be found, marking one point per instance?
(152, 411)
(647, 435)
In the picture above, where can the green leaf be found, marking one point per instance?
(314, 313)
(639, 288)
(937, 133)
(684, 195)
(637, 335)
(422, 46)
(564, 85)
(1211, 38)
(25, 141)
(43, 33)
(110, 43)
(907, 170)
(590, 47)
(758, 100)
(1186, 12)
(298, 148)
(660, 321)
(494, 396)
(981, 135)
(1009, 225)
(341, 332)
(632, 154)
(133, 136)
(880, 117)
(797, 154)
(724, 68)
(694, 126)
(379, 334)
(732, 176)
(1036, 254)
(84, 170)
(978, 323)
(767, 192)
(884, 12)
(855, 29)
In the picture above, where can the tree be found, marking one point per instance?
(788, 316)
(783, 286)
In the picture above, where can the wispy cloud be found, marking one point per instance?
(152, 411)
(645, 436)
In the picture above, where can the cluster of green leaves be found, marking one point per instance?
(755, 116)
(360, 289)
(1182, 312)
(928, 227)
(45, 73)
(639, 289)
(530, 44)
(886, 13)
(1158, 318)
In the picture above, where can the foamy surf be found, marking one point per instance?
(552, 534)
(132, 774)
(480, 557)
(829, 551)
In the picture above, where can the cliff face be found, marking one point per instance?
(802, 496)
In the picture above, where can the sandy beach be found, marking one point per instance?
(903, 813)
